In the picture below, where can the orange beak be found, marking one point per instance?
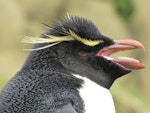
(122, 45)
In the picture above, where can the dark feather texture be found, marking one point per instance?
(45, 83)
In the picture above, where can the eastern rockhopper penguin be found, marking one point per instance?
(69, 70)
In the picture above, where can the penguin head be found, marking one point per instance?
(83, 50)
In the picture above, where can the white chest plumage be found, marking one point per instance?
(97, 99)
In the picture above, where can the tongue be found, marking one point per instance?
(129, 63)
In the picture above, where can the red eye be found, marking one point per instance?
(82, 53)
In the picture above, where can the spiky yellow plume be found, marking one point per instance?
(85, 41)
(54, 40)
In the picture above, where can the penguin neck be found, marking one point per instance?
(99, 78)
(43, 60)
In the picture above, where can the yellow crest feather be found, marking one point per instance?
(85, 41)
(50, 39)
(53, 40)
(43, 47)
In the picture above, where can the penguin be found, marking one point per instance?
(69, 70)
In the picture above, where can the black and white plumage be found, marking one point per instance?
(69, 71)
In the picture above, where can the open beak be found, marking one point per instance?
(122, 45)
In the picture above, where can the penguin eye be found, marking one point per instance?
(83, 50)
(83, 53)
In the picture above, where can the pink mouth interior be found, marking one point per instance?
(124, 62)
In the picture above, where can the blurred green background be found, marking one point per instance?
(118, 19)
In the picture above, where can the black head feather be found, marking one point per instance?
(81, 26)
(67, 55)
(98, 69)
